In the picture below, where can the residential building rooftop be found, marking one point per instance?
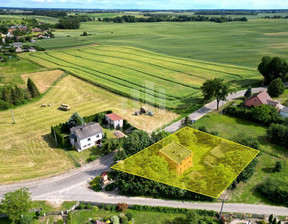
(176, 152)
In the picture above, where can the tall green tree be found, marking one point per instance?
(276, 87)
(192, 217)
(137, 141)
(17, 203)
(75, 120)
(273, 68)
(215, 88)
(32, 88)
(248, 92)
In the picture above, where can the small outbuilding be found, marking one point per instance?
(284, 112)
(114, 120)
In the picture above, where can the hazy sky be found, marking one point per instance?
(149, 4)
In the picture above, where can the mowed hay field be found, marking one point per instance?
(43, 80)
(158, 79)
(27, 150)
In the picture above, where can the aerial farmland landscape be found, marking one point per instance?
(143, 112)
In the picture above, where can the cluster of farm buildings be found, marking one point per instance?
(89, 135)
(264, 98)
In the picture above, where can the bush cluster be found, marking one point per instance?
(264, 114)
(278, 133)
(275, 189)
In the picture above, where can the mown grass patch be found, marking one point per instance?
(43, 80)
(28, 143)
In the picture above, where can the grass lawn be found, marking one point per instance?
(283, 97)
(10, 72)
(28, 143)
(140, 217)
(228, 127)
(237, 43)
(48, 206)
(43, 80)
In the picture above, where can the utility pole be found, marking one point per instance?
(12, 116)
(220, 214)
(55, 137)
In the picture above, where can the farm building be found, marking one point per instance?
(17, 44)
(284, 112)
(178, 157)
(86, 136)
(114, 120)
(262, 98)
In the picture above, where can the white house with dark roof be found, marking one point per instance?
(86, 136)
(114, 120)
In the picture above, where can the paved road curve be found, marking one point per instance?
(72, 186)
(210, 107)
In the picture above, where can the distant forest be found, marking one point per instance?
(167, 18)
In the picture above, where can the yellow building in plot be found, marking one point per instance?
(178, 157)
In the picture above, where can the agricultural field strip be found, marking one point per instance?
(128, 79)
(170, 67)
(193, 60)
(75, 71)
(133, 69)
(155, 69)
(125, 73)
(179, 63)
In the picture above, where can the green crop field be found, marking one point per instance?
(216, 162)
(158, 79)
(237, 43)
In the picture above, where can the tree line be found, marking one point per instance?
(167, 18)
(14, 96)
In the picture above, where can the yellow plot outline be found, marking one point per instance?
(213, 136)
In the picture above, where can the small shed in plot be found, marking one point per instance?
(114, 120)
(178, 157)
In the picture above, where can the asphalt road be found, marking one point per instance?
(72, 186)
(209, 107)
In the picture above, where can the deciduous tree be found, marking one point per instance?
(276, 87)
(17, 203)
(215, 88)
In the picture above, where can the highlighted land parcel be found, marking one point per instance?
(191, 160)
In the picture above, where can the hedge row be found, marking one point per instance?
(171, 210)
(264, 114)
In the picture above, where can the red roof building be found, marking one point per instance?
(114, 120)
(258, 99)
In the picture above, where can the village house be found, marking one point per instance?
(17, 44)
(86, 136)
(284, 112)
(261, 98)
(36, 30)
(19, 50)
(178, 157)
(114, 120)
